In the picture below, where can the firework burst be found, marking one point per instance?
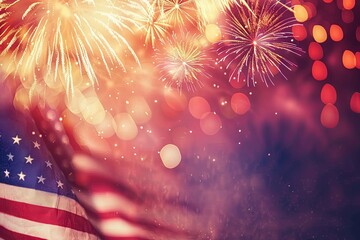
(182, 62)
(257, 40)
(63, 40)
(178, 12)
(151, 20)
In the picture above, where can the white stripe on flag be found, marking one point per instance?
(41, 198)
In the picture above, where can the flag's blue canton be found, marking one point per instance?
(24, 158)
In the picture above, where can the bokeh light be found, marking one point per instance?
(329, 116)
(213, 33)
(170, 156)
(348, 59)
(349, 4)
(357, 57)
(336, 33)
(300, 13)
(175, 99)
(210, 123)
(328, 94)
(126, 128)
(315, 51)
(299, 32)
(347, 16)
(319, 71)
(198, 106)
(139, 109)
(319, 34)
(355, 102)
(240, 103)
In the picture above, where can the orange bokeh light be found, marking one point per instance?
(349, 4)
(336, 33)
(349, 59)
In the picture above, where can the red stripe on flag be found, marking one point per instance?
(45, 215)
(124, 238)
(10, 235)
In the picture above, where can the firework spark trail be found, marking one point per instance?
(54, 40)
(256, 43)
(182, 61)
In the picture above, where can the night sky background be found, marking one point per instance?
(273, 173)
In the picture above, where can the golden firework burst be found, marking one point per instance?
(64, 40)
(182, 61)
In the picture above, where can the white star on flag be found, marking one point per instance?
(16, 140)
(48, 164)
(59, 184)
(36, 145)
(29, 159)
(10, 157)
(7, 173)
(41, 179)
(21, 176)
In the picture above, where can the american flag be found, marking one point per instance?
(36, 199)
(51, 190)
